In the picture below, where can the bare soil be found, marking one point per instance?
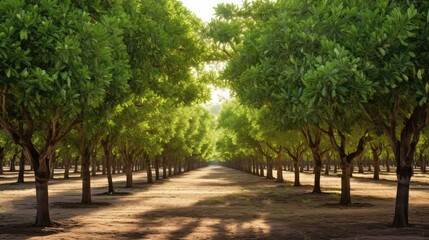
(214, 203)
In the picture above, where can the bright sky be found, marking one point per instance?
(204, 10)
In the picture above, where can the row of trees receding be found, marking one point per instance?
(80, 76)
(328, 76)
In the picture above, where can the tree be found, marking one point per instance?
(56, 51)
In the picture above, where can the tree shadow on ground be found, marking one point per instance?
(19, 223)
(270, 210)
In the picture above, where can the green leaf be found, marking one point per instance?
(8, 72)
(420, 74)
(382, 51)
(23, 34)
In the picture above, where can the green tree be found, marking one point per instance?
(57, 66)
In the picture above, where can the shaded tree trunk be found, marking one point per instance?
(327, 166)
(148, 170)
(76, 164)
(2, 150)
(346, 159)
(12, 167)
(345, 183)
(85, 155)
(107, 147)
(376, 152)
(269, 168)
(164, 168)
(156, 168)
(21, 168)
(129, 174)
(360, 165)
(314, 144)
(93, 162)
(279, 165)
(86, 174)
(423, 164)
(67, 167)
(40, 163)
(297, 182)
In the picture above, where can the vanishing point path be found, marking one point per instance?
(207, 203)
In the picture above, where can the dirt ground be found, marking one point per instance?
(215, 203)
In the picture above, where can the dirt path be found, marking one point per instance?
(214, 203)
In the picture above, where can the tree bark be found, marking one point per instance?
(149, 170)
(280, 166)
(345, 183)
(21, 168)
(401, 206)
(107, 147)
(129, 174)
(297, 182)
(76, 165)
(327, 166)
(93, 162)
(376, 159)
(269, 168)
(164, 167)
(360, 165)
(12, 162)
(85, 156)
(2, 149)
(157, 168)
(317, 171)
(40, 163)
(67, 167)
(423, 163)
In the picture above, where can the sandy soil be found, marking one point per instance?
(215, 203)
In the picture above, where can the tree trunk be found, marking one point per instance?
(43, 216)
(261, 169)
(269, 168)
(1, 159)
(402, 196)
(129, 174)
(157, 168)
(93, 163)
(423, 164)
(52, 163)
(345, 183)
(376, 169)
(40, 164)
(327, 166)
(317, 172)
(107, 147)
(170, 170)
(280, 166)
(164, 168)
(76, 165)
(179, 166)
(360, 165)
(67, 167)
(175, 164)
(85, 156)
(12, 162)
(297, 182)
(149, 170)
(21, 168)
